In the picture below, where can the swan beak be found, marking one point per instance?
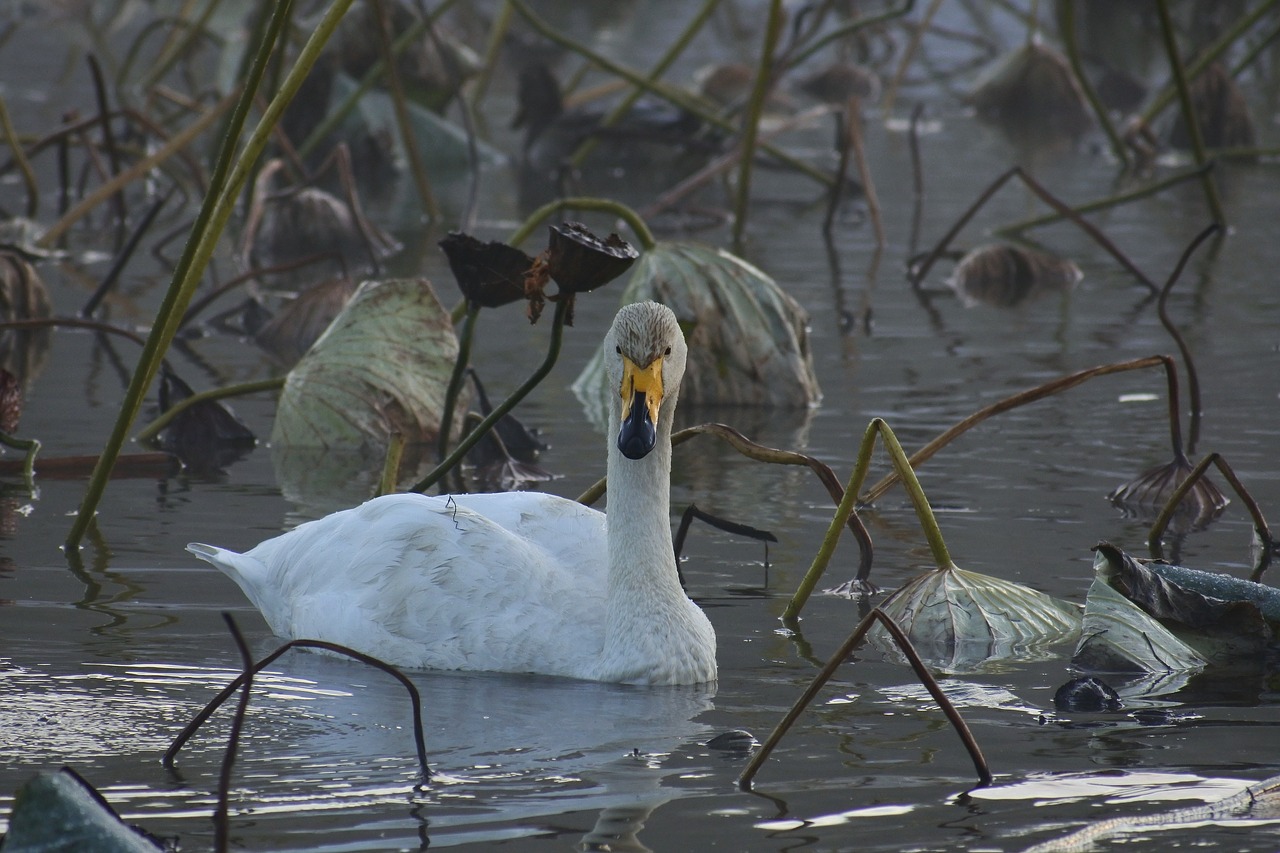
(641, 396)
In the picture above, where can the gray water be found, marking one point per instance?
(108, 653)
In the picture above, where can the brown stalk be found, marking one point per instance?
(919, 272)
(824, 675)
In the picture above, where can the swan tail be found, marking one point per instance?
(248, 572)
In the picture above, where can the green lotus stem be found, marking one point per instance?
(391, 464)
(179, 49)
(664, 62)
(151, 430)
(370, 79)
(553, 352)
(459, 372)
(225, 185)
(1206, 58)
(1188, 111)
(20, 158)
(1104, 203)
(133, 173)
(751, 121)
(1067, 27)
(847, 29)
(598, 205)
(928, 523)
(31, 447)
(497, 35)
(662, 90)
(408, 140)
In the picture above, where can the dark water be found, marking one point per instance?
(105, 656)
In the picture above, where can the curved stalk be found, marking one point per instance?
(151, 430)
(597, 205)
(459, 372)
(483, 428)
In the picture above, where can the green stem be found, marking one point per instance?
(599, 205)
(553, 352)
(662, 90)
(1104, 203)
(1067, 27)
(31, 446)
(1188, 111)
(459, 372)
(391, 464)
(751, 121)
(20, 158)
(225, 185)
(928, 523)
(624, 106)
(408, 139)
(151, 430)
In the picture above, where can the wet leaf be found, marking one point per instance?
(1032, 93)
(303, 222)
(1221, 111)
(60, 811)
(488, 274)
(301, 321)
(1006, 276)
(382, 366)
(748, 339)
(1118, 637)
(1151, 490)
(206, 437)
(1224, 620)
(841, 80)
(964, 619)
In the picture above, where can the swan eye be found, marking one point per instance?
(668, 352)
(618, 350)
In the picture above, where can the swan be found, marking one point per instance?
(514, 582)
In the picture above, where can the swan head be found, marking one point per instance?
(645, 353)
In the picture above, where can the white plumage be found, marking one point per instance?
(515, 582)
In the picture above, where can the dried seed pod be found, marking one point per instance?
(488, 274)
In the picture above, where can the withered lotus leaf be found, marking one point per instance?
(579, 261)
(488, 274)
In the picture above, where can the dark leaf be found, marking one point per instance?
(1220, 110)
(1087, 694)
(488, 274)
(60, 811)
(301, 322)
(1007, 275)
(1153, 487)
(579, 261)
(207, 436)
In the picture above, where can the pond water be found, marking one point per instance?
(106, 654)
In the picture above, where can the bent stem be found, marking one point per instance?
(597, 205)
(483, 428)
(151, 430)
(824, 675)
(31, 446)
(1021, 398)
(1265, 542)
(415, 699)
(928, 523)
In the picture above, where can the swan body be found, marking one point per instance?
(512, 582)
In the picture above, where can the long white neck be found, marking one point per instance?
(641, 554)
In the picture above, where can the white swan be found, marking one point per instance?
(514, 582)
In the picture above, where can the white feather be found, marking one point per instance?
(514, 582)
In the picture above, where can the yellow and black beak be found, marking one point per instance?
(641, 397)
